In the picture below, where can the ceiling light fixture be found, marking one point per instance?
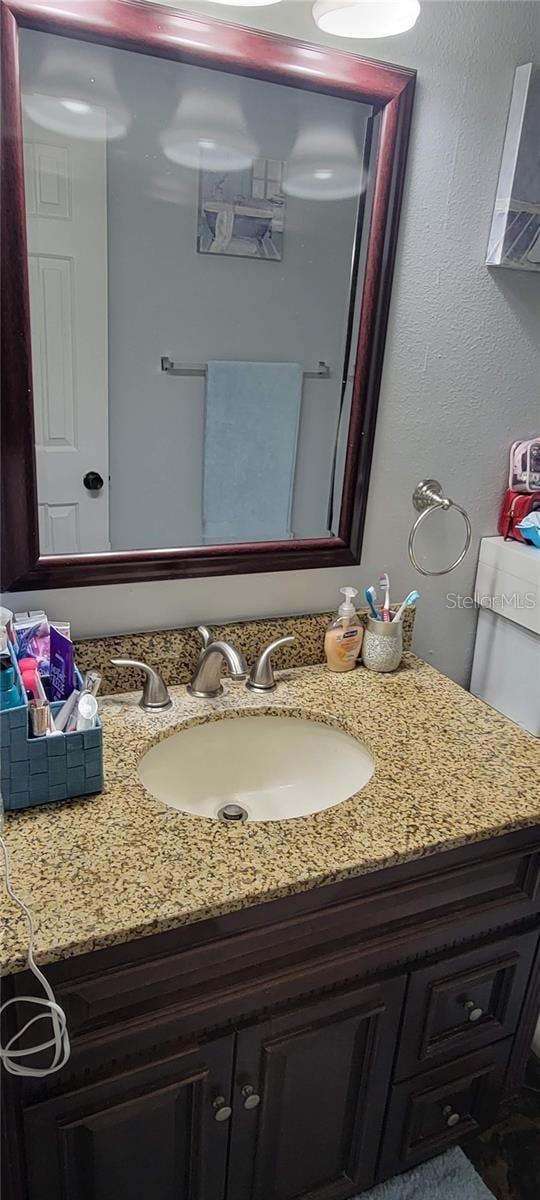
(365, 18)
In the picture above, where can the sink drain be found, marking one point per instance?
(232, 812)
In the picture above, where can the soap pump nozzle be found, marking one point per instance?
(347, 608)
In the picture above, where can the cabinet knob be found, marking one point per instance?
(222, 1110)
(451, 1116)
(474, 1012)
(250, 1096)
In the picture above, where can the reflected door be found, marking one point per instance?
(66, 205)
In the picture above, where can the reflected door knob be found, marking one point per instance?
(474, 1012)
(222, 1110)
(250, 1097)
(93, 481)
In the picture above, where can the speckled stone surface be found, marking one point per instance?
(96, 872)
(174, 652)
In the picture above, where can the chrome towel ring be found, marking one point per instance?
(427, 497)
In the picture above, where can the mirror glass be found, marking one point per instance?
(195, 246)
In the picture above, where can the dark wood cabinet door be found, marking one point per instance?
(146, 1134)
(464, 1002)
(322, 1073)
(439, 1108)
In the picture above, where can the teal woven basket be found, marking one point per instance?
(46, 769)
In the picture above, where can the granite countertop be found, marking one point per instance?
(99, 871)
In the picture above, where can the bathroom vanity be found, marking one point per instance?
(291, 1009)
(281, 1009)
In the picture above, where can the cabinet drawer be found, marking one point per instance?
(465, 1002)
(437, 1109)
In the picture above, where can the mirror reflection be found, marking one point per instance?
(195, 250)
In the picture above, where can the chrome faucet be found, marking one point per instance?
(206, 681)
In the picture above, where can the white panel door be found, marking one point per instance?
(66, 208)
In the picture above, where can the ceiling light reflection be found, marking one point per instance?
(208, 131)
(76, 95)
(325, 163)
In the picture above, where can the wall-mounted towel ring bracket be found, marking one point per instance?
(427, 497)
(174, 368)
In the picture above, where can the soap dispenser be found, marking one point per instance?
(343, 638)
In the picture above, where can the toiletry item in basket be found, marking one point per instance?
(92, 681)
(4, 645)
(28, 669)
(39, 712)
(33, 638)
(61, 665)
(343, 638)
(86, 711)
(10, 696)
(6, 621)
(61, 720)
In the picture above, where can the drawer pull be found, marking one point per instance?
(251, 1097)
(222, 1110)
(451, 1116)
(474, 1012)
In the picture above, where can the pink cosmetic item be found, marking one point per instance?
(28, 669)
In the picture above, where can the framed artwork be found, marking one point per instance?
(242, 213)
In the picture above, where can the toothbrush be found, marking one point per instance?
(384, 583)
(371, 597)
(410, 599)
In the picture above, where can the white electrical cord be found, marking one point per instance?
(59, 1042)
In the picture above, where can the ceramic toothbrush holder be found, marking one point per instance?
(382, 647)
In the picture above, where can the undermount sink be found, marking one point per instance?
(256, 768)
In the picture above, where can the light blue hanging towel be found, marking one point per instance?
(250, 440)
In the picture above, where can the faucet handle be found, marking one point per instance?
(261, 676)
(207, 638)
(155, 695)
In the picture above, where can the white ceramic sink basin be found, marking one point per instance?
(269, 768)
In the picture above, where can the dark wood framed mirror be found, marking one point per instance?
(305, 508)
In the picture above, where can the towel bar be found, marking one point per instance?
(173, 368)
(428, 496)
